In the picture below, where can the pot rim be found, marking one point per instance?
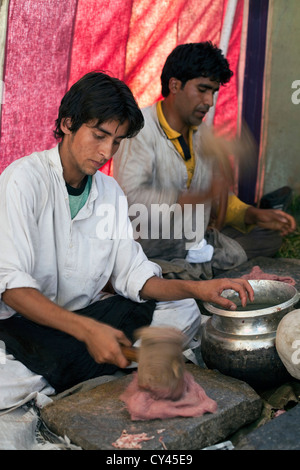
(254, 313)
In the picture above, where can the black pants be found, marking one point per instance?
(258, 242)
(60, 358)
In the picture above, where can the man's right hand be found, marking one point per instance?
(104, 343)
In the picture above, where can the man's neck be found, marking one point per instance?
(72, 178)
(173, 120)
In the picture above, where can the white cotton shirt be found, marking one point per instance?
(69, 261)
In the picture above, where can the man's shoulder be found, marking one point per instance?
(29, 168)
(151, 126)
(149, 112)
(33, 159)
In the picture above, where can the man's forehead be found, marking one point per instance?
(109, 126)
(207, 82)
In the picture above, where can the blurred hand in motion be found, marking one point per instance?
(272, 219)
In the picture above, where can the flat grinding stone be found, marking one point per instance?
(94, 419)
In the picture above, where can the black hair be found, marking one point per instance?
(188, 61)
(99, 96)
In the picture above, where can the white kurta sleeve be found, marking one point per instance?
(131, 266)
(18, 234)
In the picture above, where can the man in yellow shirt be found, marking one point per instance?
(163, 167)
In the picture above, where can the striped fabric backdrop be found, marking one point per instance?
(46, 45)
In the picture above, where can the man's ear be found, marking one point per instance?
(174, 85)
(65, 125)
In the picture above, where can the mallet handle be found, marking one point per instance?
(130, 353)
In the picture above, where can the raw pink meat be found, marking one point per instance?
(142, 405)
(257, 273)
(131, 441)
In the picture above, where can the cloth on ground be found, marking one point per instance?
(18, 430)
(256, 273)
(142, 406)
(19, 385)
(22, 429)
(227, 255)
(21, 393)
(200, 253)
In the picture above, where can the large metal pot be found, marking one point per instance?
(241, 343)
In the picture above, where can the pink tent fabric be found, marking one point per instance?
(36, 70)
(52, 43)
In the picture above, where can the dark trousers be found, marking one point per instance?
(60, 358)
(258, 242)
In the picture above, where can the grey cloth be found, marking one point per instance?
(228, 254)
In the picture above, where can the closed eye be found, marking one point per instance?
(99, 137)
(117, 142)
(204, 90)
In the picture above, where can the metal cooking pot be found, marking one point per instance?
(241, 343)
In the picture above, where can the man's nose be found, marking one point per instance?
(209, 98)
(106, 149)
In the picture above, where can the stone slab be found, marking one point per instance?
(281, 433)
(94, 419)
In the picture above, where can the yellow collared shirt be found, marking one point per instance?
(173, 136)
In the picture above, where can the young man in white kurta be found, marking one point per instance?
(52, 265)
(69, 260)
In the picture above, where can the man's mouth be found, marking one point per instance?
(200, 114)
(202, 111)
(97, 164)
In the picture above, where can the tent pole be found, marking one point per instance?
(223, 45)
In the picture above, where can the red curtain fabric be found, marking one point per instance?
(157, 27)
(50, 44)
(36, 70)
(100, 40)
(100, 37)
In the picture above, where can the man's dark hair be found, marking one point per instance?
(188, 61)
(99, 96)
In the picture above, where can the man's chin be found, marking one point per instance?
(196, 121)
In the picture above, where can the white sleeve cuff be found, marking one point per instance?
(17, 279)
(140, 276)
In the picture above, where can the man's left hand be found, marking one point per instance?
(272, 219)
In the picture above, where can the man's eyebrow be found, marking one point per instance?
(208, 87)
(101, 129)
